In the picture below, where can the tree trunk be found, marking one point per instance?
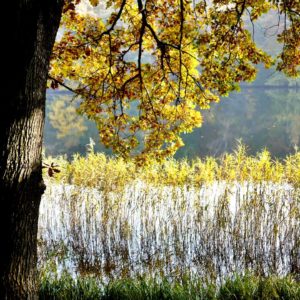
(31, 33)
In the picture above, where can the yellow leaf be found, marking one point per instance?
(94, 2)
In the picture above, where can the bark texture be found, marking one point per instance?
(30, 34)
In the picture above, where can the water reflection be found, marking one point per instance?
(260, 117)
(209, 232)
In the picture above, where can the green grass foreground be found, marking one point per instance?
(247, 287)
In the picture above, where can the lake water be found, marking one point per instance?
(260, 117)
(209, 232)
(212, 231)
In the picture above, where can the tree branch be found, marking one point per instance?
(63, 85)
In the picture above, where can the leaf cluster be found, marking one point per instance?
(145, 72)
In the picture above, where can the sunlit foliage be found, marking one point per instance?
(100, 171)
(145, 72)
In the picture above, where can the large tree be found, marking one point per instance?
(31, 34)
(143, 71)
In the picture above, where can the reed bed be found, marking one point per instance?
(113, 173)
(207, 219)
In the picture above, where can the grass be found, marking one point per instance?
(97, 170)
(210, 217)
(248, 287)
(168, 231)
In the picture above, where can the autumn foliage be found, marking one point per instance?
(145, 71)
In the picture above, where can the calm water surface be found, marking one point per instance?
(259, 117)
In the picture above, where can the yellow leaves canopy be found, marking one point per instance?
(145, 72)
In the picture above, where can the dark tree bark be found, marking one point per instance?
(31, 34)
